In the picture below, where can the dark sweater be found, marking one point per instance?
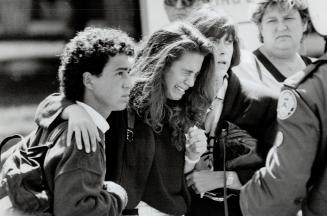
(152, 168)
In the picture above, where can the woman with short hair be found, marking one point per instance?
(282, 25)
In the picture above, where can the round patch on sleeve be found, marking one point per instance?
(286, 104)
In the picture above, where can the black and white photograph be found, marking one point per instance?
(163, 108)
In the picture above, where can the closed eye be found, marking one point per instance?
(289, 18)
(271, 20)
(188, 72)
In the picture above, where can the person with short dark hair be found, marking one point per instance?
(90, 51)
(94, 72)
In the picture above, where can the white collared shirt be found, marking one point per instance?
(98, 119)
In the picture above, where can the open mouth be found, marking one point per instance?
(180, 89)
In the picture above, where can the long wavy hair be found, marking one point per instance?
(154, 59)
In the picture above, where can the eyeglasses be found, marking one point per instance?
(185, 3)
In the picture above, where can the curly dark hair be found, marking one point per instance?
(89, 51)
(148, 98)
(214, 24)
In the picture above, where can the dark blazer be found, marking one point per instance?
(253, 110)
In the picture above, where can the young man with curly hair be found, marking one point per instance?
(94, 73)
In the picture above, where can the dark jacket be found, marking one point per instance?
(72, 180)
(253, 110)
(151, 169)
(75, 180)
(295, 176)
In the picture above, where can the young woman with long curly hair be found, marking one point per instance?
(175, 85)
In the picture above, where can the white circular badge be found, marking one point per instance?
(286, 104)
